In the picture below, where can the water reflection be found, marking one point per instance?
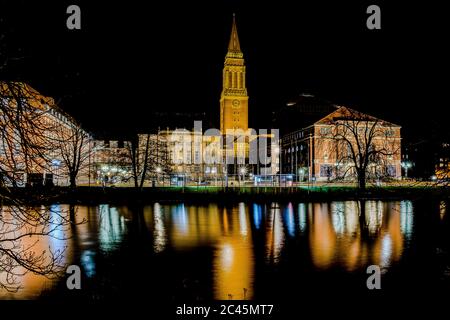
(274, 234)
(357, 234)
(226, 230)
(240, 238)
(95, 229)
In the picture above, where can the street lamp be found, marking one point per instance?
(278, 154)
(158, 171)
(301, 172)
(242, 172)
(406, 164)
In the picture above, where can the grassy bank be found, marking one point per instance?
(126, 195)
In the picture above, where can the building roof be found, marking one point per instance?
(301, 112)
(16, 90)
(234, 39)
(234, 48)
(345, 113)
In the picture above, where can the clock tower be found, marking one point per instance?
(234, 98)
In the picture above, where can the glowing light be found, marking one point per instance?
(242, 219)
(302, 217)
(257, 215)
(88, 263)
(289, 218)
(406, 218)
(181, 220)
(160, 230)
(226, 257)
(386, 251)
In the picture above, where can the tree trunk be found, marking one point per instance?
(72, 213)
(73, 181)
(362, 180)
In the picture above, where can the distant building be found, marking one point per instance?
(110, 161)
(317, 153)
(442, 167)
(199, 156)
(32, 126)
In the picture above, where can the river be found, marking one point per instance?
(180, 251)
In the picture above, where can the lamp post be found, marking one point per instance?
(158, 171)
(406, 165)
(242, 172)
(278, 154)
(301, 173)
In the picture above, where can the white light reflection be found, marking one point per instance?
(289, 219)
(111, 227)
(226, 257)
(275, 234)
(242, 219)
(386, 251)
(180, 218)
(406, 218)
(57, 239)
(351, 217)
(302, 220)
(159, 231)
(374, 215)
(337, 216)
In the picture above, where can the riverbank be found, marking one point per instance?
(117, 195)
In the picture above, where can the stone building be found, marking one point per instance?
(33, 128)
(323, 151)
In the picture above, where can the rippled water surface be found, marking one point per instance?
(248, 250)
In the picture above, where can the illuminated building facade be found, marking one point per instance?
(234, 98)
(43, 125)
(316, 152)
(110, 161)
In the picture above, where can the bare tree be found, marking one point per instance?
(25, 146)
(139, 154)
(149, 158)
(360, 145)
(25, 131)
(73, 146)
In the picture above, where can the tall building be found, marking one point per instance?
(234, 98)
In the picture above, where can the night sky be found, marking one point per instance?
(133, 58)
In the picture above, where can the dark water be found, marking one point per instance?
(266, 251)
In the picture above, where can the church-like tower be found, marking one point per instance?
(234, 98)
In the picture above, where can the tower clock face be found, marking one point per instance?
(236, 103)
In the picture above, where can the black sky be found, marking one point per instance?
(135, 57)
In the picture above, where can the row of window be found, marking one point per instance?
(235, 80)
(294, 149)
(296, 135)
(326, 170)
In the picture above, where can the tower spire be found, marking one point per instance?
(234, 46)
(234, 98)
